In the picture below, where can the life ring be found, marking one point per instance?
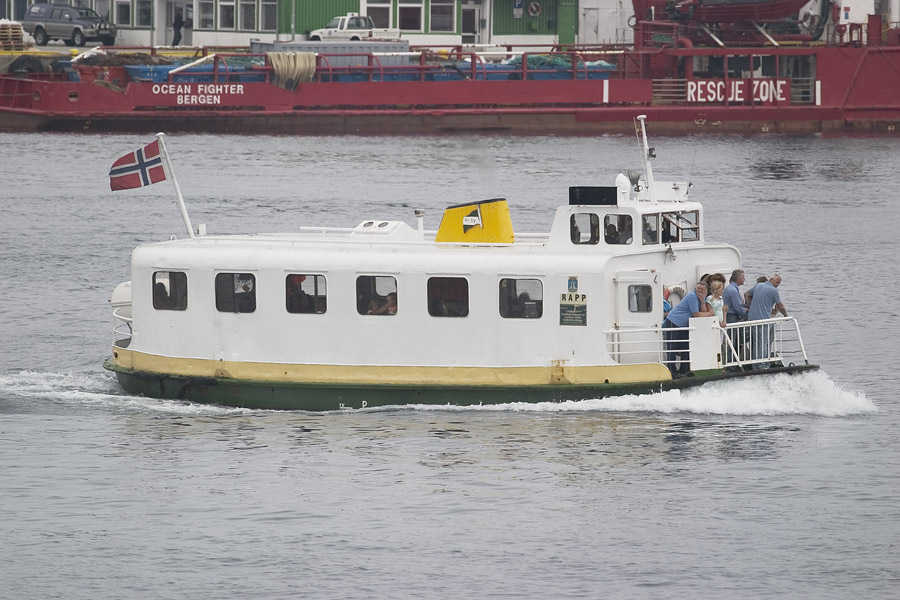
(534, 9)
(632, 21)
(676, 294)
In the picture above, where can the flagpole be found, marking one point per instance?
(165, 155)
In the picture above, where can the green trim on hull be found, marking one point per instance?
(324, 397)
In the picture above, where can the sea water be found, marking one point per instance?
(775, 486)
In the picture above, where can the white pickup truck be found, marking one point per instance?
(354, 28)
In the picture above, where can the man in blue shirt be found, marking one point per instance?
(765, 304)
(736, 311)
(677, 345)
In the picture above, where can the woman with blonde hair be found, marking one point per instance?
(715, 300)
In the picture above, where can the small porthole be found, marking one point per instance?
(36, 95)
(383, 224)
(73, 96)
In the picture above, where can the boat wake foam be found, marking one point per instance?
(811, 393)
(802, 394)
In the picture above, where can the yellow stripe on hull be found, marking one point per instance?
(391, 375)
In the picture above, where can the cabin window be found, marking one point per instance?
(305, 294)
(448, 297)
(681, 227)
(650, 229)
(521, 298)
(640, 298)
(617, 229)
(169, 290)
(376, 295)
(584, 228)
(236, 292)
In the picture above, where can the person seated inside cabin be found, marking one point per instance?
(161, 300)
(298, 301)
(387, 307)
(648, 233)
(612, 234)
(575, 232)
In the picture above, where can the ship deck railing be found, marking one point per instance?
(775, 341)
(122, 329)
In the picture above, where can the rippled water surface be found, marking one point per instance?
(781, 486)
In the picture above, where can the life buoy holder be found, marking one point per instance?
(534, 9)
(676, 294)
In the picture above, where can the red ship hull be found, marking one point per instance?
(848, 89)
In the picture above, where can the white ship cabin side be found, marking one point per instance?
(419, 305)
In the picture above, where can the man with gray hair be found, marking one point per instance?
(736, 311)
(764, 305)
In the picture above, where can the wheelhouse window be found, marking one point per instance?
(236, 292)
(169, 290)
(409, 14)
(640, 298)
(584, 228)
(617, 229)
(376, 295)
(441, 15)
(448, 296)
(305, 294)
(521, 298)
(380, 12)
(650, 229)
(681, 227)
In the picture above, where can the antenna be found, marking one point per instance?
(647, 154)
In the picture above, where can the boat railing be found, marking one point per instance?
(122, 329)
(775, 342)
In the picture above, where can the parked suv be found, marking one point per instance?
(74, 25)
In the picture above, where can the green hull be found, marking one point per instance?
(322, 397)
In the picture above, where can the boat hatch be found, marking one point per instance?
(483, 222)
(396, 230)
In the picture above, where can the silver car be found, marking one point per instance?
(72, 24)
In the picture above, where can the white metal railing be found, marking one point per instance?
(123, 336)
(775, 341)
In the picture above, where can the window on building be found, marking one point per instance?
(409, 15)
(640, 298)
(248, 15)
(143, 14)
(521, 298)
(617, 229)
(236, 292)
(123, 13)
(102, 8)
(650, 229)
(584, 228)
(442, 13)
(376, 295)
(207, 11)
(448, 297)
(226, 14)
(305, 293)
(269, 15)
(169, 290)
(380, 12)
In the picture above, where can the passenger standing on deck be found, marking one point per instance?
(765, 302)
(177, 25)
(736, 312)
(677, 344)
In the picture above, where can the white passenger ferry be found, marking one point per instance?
(386, 313)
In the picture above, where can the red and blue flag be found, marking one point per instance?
(137, 169)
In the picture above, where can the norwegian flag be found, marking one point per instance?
(137, 169)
